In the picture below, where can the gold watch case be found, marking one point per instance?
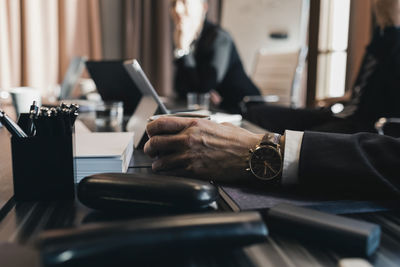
(266, 162)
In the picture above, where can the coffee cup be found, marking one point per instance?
(23, 98)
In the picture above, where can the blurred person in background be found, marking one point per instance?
(376, 92)
(206, 59)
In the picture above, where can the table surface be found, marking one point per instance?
(22, 222)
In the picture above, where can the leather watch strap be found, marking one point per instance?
(271, 138)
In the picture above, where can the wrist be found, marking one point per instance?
(181, 52)
(256, 140)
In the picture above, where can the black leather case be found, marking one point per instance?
(150, 239)
(141, 192)
(357, 238)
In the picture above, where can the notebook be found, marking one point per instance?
(102, 153)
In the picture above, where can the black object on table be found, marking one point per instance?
(133, 193)
(142, 239)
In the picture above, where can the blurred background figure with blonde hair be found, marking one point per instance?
(206, 58)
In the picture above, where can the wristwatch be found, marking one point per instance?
(266, 160)
(179, 53)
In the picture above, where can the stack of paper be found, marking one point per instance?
(102, 152)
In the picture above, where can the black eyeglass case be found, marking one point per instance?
(141, 192)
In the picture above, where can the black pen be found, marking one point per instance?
(73, 113)
(43, 127)
(11, 126)
(33, 114)
(57, 122)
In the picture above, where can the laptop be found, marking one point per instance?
(114, 84)
(71, 78)
(143, 84)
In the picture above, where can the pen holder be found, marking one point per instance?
(43, 168)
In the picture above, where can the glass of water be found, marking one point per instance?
(109, 116)
(198, 101)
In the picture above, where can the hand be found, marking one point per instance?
(184, 36)
(215, 98)
(200, 148)
(387, 13)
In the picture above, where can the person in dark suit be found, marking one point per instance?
(358, 163)
(206, 59)
(376, 92)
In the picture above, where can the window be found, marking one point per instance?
(332, 48)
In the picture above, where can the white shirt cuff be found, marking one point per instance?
(293, 140)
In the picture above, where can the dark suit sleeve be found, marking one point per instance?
(359, 163)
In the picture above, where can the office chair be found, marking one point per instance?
(279, 78)
(275, 74)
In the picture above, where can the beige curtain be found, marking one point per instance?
(214, 11)
(147, 37)
(10, 43)
(39, 37)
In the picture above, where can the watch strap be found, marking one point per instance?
(271, 139)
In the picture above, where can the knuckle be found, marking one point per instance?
(153, 142)
(184, 141)
(195, 123)
(148, 129)
(190, 140)
(146, 147)
(156, 126)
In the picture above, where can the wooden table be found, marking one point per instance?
(22, 222)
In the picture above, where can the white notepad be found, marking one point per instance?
(102, 152)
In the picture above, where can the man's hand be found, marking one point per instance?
(183, 38)
(387, 13)
(200, 148)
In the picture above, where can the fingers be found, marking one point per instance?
(167, 125)
(162, 144)
(176, 162)
(181, 165)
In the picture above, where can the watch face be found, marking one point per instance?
(266, 162)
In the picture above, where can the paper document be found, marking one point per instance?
(102, 153)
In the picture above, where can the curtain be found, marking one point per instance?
(360, 33)
(214, 11)
(148, 38)
(39, 37)
(10, 44)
